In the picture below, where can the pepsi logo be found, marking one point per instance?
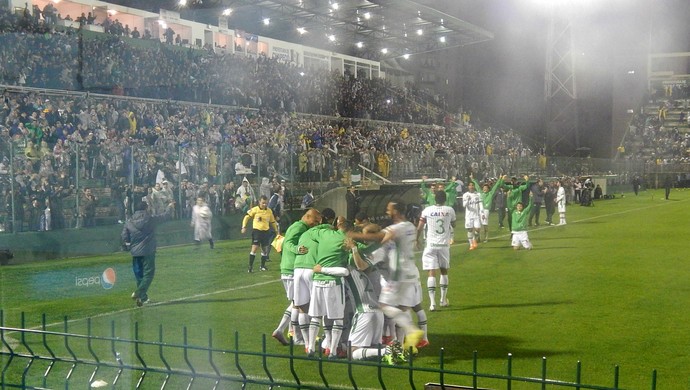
(108, 278)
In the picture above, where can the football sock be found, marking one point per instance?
(431, 288)
(313, 332)
(304, 322)
(294, 324)
(336, 332)
(367, 353)
(285, 319)
(421, 321)
(252, 256)
(443, 281)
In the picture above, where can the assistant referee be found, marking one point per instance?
(262, 219)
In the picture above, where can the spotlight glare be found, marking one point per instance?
(442, 39)
(420, 32)
(360, 45)
(335, 5)
(367, 15)
(182, 3)
(384, 50)
(331, 38)
(301, 30)
(406, 56)
(267, 21)
(227, 11)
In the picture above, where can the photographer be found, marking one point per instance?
(88, 208)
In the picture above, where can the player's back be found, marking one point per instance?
(438, 224)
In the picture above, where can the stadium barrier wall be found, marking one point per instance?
(56, 244)
(33, 357)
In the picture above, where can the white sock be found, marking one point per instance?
(443, 281)
(367, 353)
(421, 321)
(336, 332)
(431, 288)
(304, 322)
(313, 332)
(285, 320)
(294, 324)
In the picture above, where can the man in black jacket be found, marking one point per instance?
(139, 236)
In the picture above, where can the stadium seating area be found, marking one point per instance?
(660, 133)
(106, 140)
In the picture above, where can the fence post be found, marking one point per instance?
(186, 357)
(50, 351)
(91, 351)
(138, 355)
(510, 371)
(162, 357)
(616, 372)
(543, 373)
(210, 356)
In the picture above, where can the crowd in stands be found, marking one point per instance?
(655, 137)
(115, 141)
(35, 54)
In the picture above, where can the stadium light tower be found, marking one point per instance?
(560, 87)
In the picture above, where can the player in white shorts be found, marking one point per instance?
(402, 291)
(439, 221)
(473, 205)
(328, 291)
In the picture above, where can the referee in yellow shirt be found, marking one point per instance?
(262, 218)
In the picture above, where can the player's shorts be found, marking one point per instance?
(406, 294)
(288, 285)
(435, 257)
(472, 222)
(521, 238)
(302, 286)
(484, 216)
(366, 329)
(261, 237)
(561, 207)
(327, 300)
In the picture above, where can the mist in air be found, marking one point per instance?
(504, 78)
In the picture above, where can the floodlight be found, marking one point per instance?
(367, 15)
(406, 56)
(227, 11)
(420, 32)
(267, 21)
(301, 30)
(360, 45)
(384, 50)
(182, 3)
(442, 39)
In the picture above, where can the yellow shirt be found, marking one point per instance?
(260, 218)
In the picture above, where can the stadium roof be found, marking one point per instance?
(373, 29)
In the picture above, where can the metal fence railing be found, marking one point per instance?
(38, 358)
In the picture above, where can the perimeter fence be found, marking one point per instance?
(38, 358)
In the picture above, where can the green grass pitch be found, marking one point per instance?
(609, 288)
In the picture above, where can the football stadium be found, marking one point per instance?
(374, 194)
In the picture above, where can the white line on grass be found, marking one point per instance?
(195, 296)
